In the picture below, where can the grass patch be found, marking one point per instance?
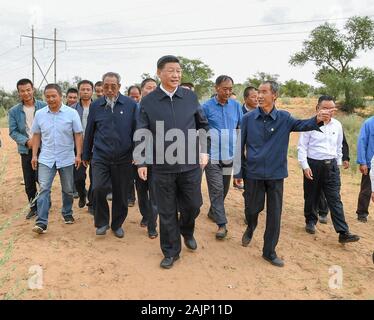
(351, 126)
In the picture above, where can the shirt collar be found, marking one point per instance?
(218, 103)
(260, 113)
(62, 108)
(170, 94)
(248, 108)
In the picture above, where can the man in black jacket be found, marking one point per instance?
(170, 114)
(108, 142)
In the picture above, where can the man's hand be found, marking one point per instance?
(78, 162)
(372, 196)
(345, 164)
(364, 169)
(308, 173)
(142, 172)
(86, 163)
(238, 182)
(204, 159)
(34, 162)
(29, 144)
(324, 115)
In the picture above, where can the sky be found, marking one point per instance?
(236, 37)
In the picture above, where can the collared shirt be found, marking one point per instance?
(246, 109)
(170, 94)
(365, 143)
(57, 135)
(223, 122)
(264, 142)
(324, 145)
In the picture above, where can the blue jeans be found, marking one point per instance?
(46, 176)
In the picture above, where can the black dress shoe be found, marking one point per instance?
(32, 213)
(102, 230)
(310, 228)
(247, 237)
(168, 262)
(119, 233)
(348, 237)
(362, 218)
(82, 202)
(275, 261)
(190, 243)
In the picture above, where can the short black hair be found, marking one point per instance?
(188, 84)
(166, 59)
(24, 81)
(325, 98)
(54, 86)
(98, 83)
(132, 87)
(247, 90)
(71, 90)
(145, 81)
(85, 82)
(223, 78)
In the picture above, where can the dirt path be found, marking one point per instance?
(78, 265)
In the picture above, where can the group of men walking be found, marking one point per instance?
(161, 136)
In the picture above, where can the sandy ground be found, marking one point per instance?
(76, 264)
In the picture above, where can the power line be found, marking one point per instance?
(211, 29)
(193, 39)
(188, 45)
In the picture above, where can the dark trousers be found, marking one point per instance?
(364, 196)
(131, 192)
(146, 199)
(322, 207)
(326, 177)
(106, 177)
(30, 177)
(255, 191)
(183, 188)
(80, 180)
(218, 176)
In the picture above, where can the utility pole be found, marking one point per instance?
(34, 60)
(33, 54)
(55, 49)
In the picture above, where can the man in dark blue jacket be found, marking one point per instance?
(85, 90)
(172, 115)
(265, 136)
(108, 144)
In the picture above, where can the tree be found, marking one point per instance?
(333, 51)
(198, 73)
(260, 77)
(294, 88)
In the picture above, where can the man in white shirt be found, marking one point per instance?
(320, 154)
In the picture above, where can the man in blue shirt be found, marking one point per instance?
(365, 152)
(55, 129)
(224, 116)
(108, 145)
(21, 117)
(264, 142)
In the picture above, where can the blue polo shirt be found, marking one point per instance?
(365, 143)
(223, 122)
(264, 142)
(57, 135)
